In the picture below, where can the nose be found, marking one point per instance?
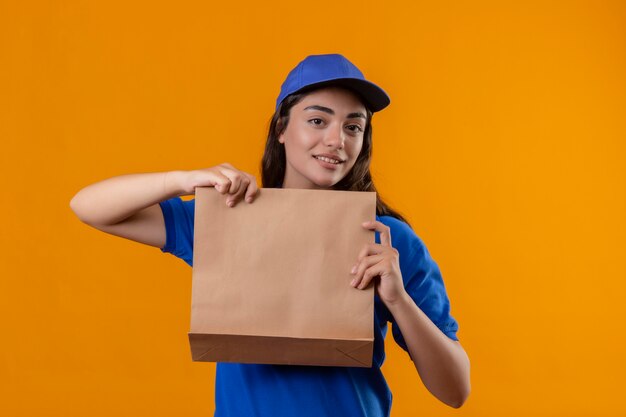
(335, 137)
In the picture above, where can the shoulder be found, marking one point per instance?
(403, 237)
(395, 224)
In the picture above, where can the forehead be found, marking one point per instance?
(336, 98)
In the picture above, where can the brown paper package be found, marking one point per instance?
(271, 279)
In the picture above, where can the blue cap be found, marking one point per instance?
(332, 69)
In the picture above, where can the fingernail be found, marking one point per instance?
(353, 270)
(248, 199)
(353, 282)
(230, 203)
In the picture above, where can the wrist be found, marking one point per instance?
(173, 184)
(399, 303)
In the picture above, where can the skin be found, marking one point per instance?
(441, 362)
(329, 121)
(326, 121)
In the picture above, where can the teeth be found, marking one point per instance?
(330, 161)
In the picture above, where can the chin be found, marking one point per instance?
(327, 183)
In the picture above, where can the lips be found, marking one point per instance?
(329, 159)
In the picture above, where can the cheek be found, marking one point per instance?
(356, 149)
(296, 149)
(299, 140)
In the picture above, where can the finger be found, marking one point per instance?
(385, 232)
(234, 199)
(359, 269)
(247, 189)
(252, 189)
(236, 177)
(369, 274)
(220, 182)
(370, 249)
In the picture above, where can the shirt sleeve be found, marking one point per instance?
(422, 281)
(179, 220)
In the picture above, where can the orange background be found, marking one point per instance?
(504, 145)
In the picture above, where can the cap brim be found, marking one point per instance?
(375, 97)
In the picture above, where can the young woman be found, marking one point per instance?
(320, 137)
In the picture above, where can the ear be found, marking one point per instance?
(279, 127)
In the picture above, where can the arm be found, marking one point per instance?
(441, 362)
(127, 205)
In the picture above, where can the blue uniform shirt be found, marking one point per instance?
(303, 391)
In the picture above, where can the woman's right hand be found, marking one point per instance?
(128, 205)
(226, 179)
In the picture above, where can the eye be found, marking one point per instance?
(316, 121)
(355, 128)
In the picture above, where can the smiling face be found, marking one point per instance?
(323, 138)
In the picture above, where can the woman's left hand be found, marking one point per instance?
(379, 262)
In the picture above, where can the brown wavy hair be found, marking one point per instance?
(274, 162)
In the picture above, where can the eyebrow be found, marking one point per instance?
(331, 111)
